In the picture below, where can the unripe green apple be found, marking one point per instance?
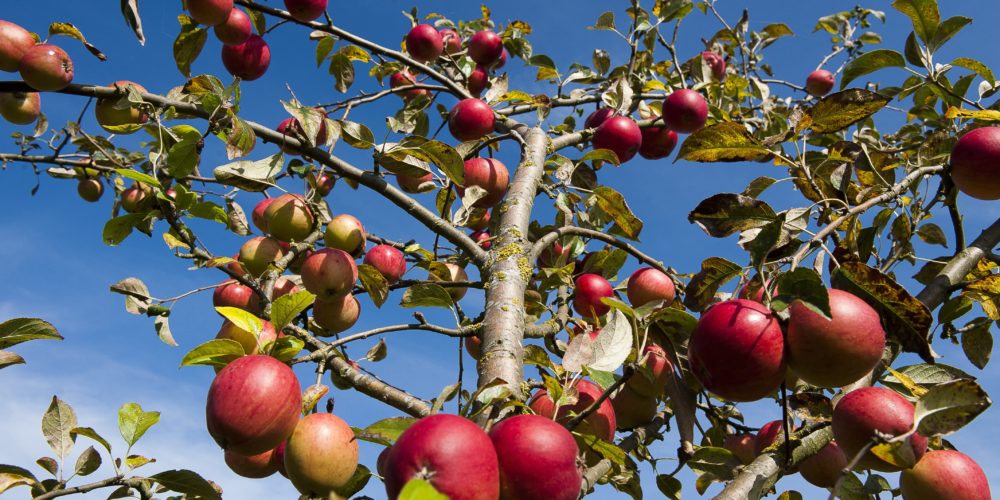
(321, 455)
(90, 189)
(455, 273)
(120, 120)
(288, 218)
(251, 343)
(259, 253)
(346, 233)
(20, 108)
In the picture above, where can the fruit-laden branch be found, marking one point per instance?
(549, 238)
(366, 98)
(593, 474)
(91, 164)
(455, 87)
(364, 383)
(893, 192)
(559, 102)
(104, 483)
(465, 331)
(759, 476)
(444, 284)
(509, 270)
(575, 138)
(933, 295)
(428, 218)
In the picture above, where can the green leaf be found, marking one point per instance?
(899, 453)
(374, 283)
(133, 422)
(57, 423)
(18, 330)
(869, 62)
(669, 10)
(948, 407)
(67, 29)
(715, 272)
(923, 14)
(613, 203)
(977, 342)
(137, 299)
(118, 228)
(426, 295)
(446, 158)
(242, 319)
(932, 234)
(838, 111)
(605, 21)
(188, 44)
(912, 51)
(253, 176)
(728, 213)
(722, 142)
(92, 434)
(88, 462)
(977, 66)
(138, 176)
(926, 375)
(210, 211)
(357, 135)
(286, 347)
(986, 292)
(670, 486)
(136, 461)
(804, 285)
(12, 476)
(8, 358)
(605, 155)
(418, 489)
(239, 138)
(718, 462)
(130, 10)
(183, 157)
(946, 30)
(387, 430)
(357, 482)
(284, 309)
(216, 352)
(187, 482)
(50, 465)
(907, 320)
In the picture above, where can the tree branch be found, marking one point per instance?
(317, 355)
(549, 238)
(759, 476)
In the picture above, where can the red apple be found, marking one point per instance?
(737, 351)
(321, 455)
(660, 368)
(819, 82)
(716, 63)
(649, 285)
(975, 163)
(136, 199)
(657, 143)
(537, 459)
(549, 256)
(257, 215)
(236, 295)
(288, 218)
(621, 135)
(90, 189)
(685, 111)
(259, 253)
(455, 273)
(120, 121)
(290, 127)
(329, 273)
(601, 423)
(251, 343)
(470, 120)
(236, 29)
(322, 182)
(46, 67)
(633, 409)
(253, 405)
(474, 346)
(863, 411)
(945, 474)
(489, 174)
(383, 458)
(590, 289)
(768, 434)
(403, 78)
(279, 458)
(478, 80)
(388, 261)
(486, 48)
(500, 62)
(415, 185)
(597, 118)
(20, 108)
(834, 353)
(483, 238)
(254, 466)
(14, 42)
(305, 10)
(424, 43)
(448, 451)
(741, 445)
(283, 286)
(336, 315)
(248, 60)
(346, 233)
(824, 468)
(210, 12)
(452, 41)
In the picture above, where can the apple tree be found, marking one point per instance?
(580, 367)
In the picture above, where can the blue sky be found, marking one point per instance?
(58, 269)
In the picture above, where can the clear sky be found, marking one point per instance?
(57, 268)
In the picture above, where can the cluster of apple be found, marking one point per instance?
(425, 44)
(244, 53)
(42, 66)
(525, 457)
(253, 412)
